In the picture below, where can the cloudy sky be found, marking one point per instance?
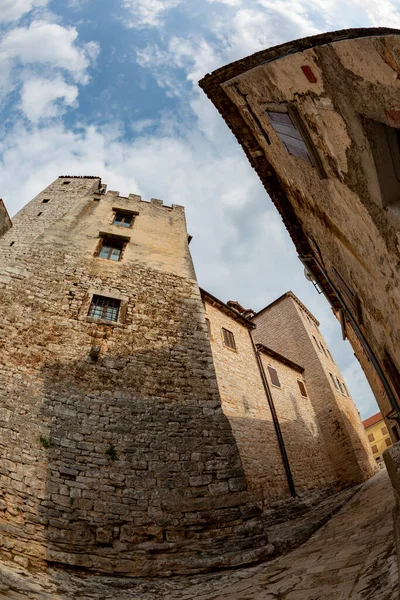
(109, 88)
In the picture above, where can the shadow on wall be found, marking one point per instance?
(140, 478)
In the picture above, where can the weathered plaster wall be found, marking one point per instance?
(125, 464)
(245, 404)
(342, 215)
(5, 222)
(284, 327)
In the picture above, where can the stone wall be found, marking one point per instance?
(304, 442)
(290, 330)
(245, 404)
(125, 463)
(5, 222)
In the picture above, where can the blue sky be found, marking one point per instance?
(109, 88)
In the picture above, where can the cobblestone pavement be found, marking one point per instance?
(351, 557)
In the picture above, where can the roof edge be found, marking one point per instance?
(280, 357)
(289, 294)
(228, 309)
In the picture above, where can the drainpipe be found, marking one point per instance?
(278, 430)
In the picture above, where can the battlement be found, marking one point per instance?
(138, 198)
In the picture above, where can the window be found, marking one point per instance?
(374, 449)
(324, 351)
(385, 148)
(274, 376)
(388, 442)
(316, 343)
(123, 218)
(111, 249)
(45, 200)
(346, 390)
(371, 437)
(293, 134)
(340, 386)
(350, 298)
(395, 433)
(229, 338)
(302, 388)
(330, 355)
(289, 135)
(66, 182)
(39, 214)
(333, 381)
(105, 308)
(384, 430)
(12, 243)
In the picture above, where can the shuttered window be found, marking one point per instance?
(374, 449)
(302, 388)
(289, 135)
(274, 376)
(371, 437)
(388, 442)
(229, 339)
(384, 430)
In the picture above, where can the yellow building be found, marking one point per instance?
(378, 435)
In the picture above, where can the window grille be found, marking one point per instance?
(102, 307)
(273, 373)
(229, 338)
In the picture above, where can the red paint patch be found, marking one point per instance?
(309, 74)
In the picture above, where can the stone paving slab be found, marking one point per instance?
(351, 557)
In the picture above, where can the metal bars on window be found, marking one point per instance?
(105, 308)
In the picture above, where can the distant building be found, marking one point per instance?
(378, 435)
(296, 427)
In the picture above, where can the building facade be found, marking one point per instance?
(378, 436)
(115, 453)
(318, 119)
(297, 429)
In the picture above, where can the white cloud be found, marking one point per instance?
(147, 13)
(13, 10)
(51, 45)
(40, 98)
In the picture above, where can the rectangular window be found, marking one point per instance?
(324, 351)
(374, 449)
(350, 298)
(317, 343)
(45, 200)
(388, 442)
(289, 135)
(346, 390)
(333, 381)
(274, 376)
(124, 218)
(371, 437)
(384, 430)
(340, 386)
(385, 148)
(102, 307)
(302, 388)
(66, 182)
(330, 355)
(111, 249)
(229, 339)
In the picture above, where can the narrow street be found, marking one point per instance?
(351, 557)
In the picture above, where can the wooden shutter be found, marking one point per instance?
(229, 339)
(289, 135)
(302, 388)
(274, 376)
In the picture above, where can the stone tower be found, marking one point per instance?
(286, 325)
(116, 455)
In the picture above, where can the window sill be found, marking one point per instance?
(231, 349)
(104, 322)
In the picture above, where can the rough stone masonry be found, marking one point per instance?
(115, 453)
